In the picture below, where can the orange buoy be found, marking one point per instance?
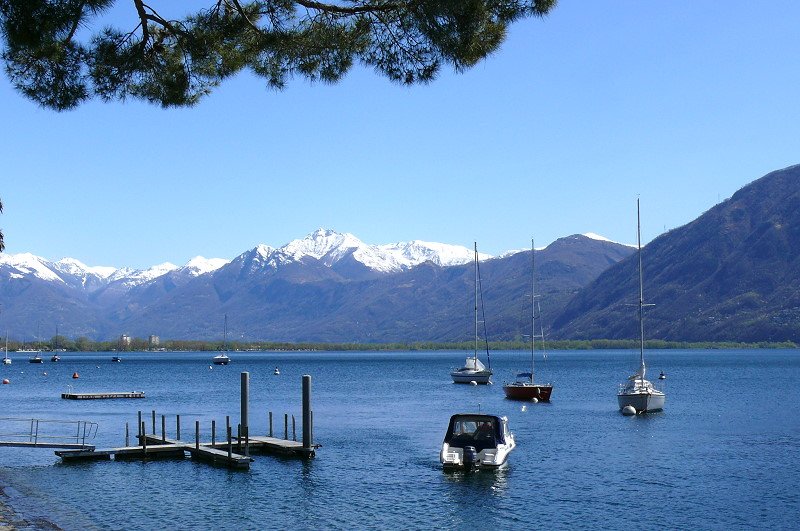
(6, 381)
(75, 375)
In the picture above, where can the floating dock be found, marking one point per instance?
(102, 396)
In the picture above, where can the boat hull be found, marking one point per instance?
(527, 391)
(467, 377)
(642, 402)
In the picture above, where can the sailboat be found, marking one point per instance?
(55, 356)
(223, 359)
(637, 392)
(37, 358)
(524, 388)
(473, 370)
(6, 359)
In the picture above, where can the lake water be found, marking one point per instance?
(724, 454)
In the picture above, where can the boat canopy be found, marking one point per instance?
(480, 431)
(474, 364)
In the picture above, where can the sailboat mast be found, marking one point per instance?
(476, 302)
(641, 291)
(533, 307)
(225, 335)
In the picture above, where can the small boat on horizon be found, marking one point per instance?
(525, 388)
(473, 370)
(36, 357)
(116, 359)
(223, 359)
(638, 393)
(276, 372)
(476, 441)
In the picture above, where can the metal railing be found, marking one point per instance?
(46, 433)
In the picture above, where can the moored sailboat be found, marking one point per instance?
(474, 370)
(638, 393)
(525, 387)
(6, 359)
(223, 359)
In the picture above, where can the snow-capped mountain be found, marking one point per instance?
(325, 286)
(331, 247)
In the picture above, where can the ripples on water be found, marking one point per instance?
(723, 454)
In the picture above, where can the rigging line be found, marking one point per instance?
(483, 314)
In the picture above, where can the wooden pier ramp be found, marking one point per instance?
(102, 396)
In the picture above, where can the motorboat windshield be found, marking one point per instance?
(480, 431)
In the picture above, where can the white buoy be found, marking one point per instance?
(535, 400)
(473, 382)
(524, 408)
(629, 410)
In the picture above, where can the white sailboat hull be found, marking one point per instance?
(465, 376)
(642, 402)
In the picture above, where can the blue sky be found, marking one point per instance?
(680, 103)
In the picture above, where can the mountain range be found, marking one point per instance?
(733, 274)
(327, 286)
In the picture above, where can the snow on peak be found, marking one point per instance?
(134, 277)
(593, 236)
(77, 268)
(323, 244)
(415, 252)
(29, 264)
(199, 265)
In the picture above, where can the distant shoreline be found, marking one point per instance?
(422, 346)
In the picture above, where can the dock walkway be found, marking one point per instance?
(102, 396)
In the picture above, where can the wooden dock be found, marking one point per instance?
(102, 396)
(232, 450)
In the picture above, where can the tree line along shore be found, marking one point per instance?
(143, 345)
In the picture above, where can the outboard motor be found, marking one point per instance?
(470, 457)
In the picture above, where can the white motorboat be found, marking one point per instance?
(638, 392)
(475, 441)
(474, 370)
(276, 372)
(223, 359)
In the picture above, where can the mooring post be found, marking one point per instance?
(246, 441)
(286, 426)
(197, 435)
(230, 446)
(127, 436)
(144, 439)
(294, 433)
(178, 427)
(308, 432)
(154, 422)
(164, 428)
(213, 433)
(139, 424)
(245, 398)
(270, 423)
(239, 438)
(228, 423)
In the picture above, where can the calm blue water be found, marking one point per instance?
(724, 454)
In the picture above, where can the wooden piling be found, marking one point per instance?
(244, 398)
(230, 445)
(127, 436)
(144, 440)
(139, 424)
(286, 426)
(163, 427)
(154, 422)
(294, 432)
(308, 417)
(239, 438)
(197, 435)
(213, 432)
(178, 427)
(270, 423)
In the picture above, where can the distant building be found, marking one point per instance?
(154, 341)
(125, 340)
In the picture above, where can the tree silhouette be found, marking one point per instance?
(53, 57)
